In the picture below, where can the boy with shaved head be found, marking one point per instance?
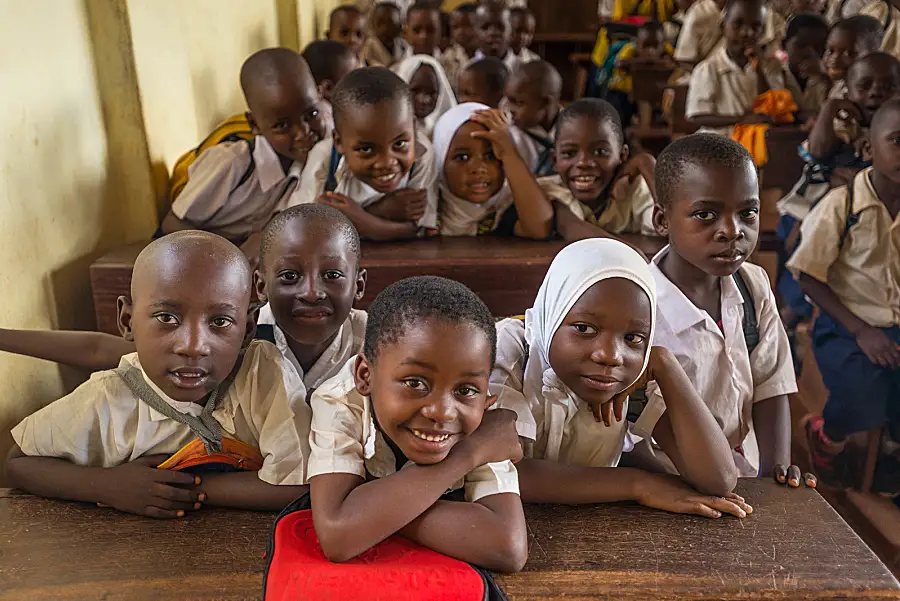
(234, 188)
(197, 388)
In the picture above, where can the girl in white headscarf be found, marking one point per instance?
(485, 186)
(431, 92)
(567, 372)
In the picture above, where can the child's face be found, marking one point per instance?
(522, 25)
(378, 143)
(743, 26)
(870, 82)
(840, 53)
(586, 156)
(188, 319)
(806, 46)
(423, 86)
(311, 278)
(287, 115)
(599, 348)
(386, 24)
(651, 43)
(885, 143)
(473, 87)
(808, 6)
(341, 71)
(349, 29)
(471, 169)
(493, 30)
(713, 217)
(432, 382)
(527, 106)
(423, 30)
(462, 28)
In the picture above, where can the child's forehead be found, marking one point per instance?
(384, 120)
(192, 281)
(463, 135)
(349, 17)
(423, 15)
(745, 9)
(587, 129)
(284, 94)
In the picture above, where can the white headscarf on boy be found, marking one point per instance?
(458, 216)
(446, 99)
(575, 269)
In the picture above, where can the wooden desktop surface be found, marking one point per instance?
(794, 546)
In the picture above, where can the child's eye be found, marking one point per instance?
(705, 215)
(222, 322)
(166, 318)
(583, 328)
(415, 384)
(312, 114)
(280, 126)
(461, 157)
(567, 153)
(602, 152)
(467, 391)
(333, 274)
(750, 213)
(365, 150)
(288, 277)
(402, 145)
(635, 338)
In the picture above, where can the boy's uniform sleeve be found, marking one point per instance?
(701, 97)
(687, 47)
(771, 364)
(508, 373)
(211, 180)
(85, 427)
(425, 177)
(313, 176)
(337, 432)
(491, 479)
(641, 203)
(820, 235)
(279, 414)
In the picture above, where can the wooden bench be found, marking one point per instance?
(794, 546)
(505, 272)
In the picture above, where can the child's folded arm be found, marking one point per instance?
(772, 424)
(245, 490)
(823, 140)
(571, 228)
(369, 226)
(92, 351)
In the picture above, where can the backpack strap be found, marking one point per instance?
(265, 331)
(852, 218)
(890, 15)
(250, 168)
(749, 324)
(331, 179)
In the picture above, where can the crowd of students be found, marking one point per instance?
(377, 415)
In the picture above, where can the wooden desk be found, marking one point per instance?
(793, 547)
(505, 272)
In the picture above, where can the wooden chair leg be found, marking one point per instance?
(873, 446)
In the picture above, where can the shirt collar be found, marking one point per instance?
(179, 406)
(864, 194)
(724, 63)
(268, 165)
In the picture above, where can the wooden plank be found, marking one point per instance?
(794, 546)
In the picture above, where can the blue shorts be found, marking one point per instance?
(788, 287)
(862, 395)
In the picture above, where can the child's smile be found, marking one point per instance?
(471, 170)
(587, 156)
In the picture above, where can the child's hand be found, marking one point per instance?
(251, 247)
(498, 133)
(614, 408)
(756, 118)
(836, 105)
(812, 68)
(341, 202)
(495, 439)
(139, 487)
(640, 163)
(791, 476)
(879, 347)
(405, 204)
(671, 493)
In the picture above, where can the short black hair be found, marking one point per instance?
(521, 10)
(313, 214)
(889, 106)
(696, 150)
(868, 30)
(367, 86)
(732, 3)
(542, 75)
(594, 108)
(466, 7)
(272, 66)
(881, 59)
(494, 70)
(405, 304)
(343, 8)
(325, 58)
(651, 26)
(422, 6)
(803, 22)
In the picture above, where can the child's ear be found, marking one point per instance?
(361, 277)
(865, 147)
(254, 129)
(362, 375)
(336, 140)
(250, 328)
(490, 401)
(325, 89)
(660, 221)
(259, 285)
(126, 312)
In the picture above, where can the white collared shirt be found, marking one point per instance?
(347, 344)
(103, 424)
(865, 272)
(725, 375)
(700, 31)
(215, 198)
(719, 87)
(511, 60)
(890, 43)
(344, 440)
(630, 207)
(315, 175)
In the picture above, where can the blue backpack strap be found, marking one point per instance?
(852, 218)
(265, 331)
(331, 180)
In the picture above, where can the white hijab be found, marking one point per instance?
(575, 269)
(446, 99)
(460, 217)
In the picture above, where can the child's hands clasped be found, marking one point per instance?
(671, 493)
(498, 133)
(495, 440)
(139, 487)
(405, 204)
(879, 347)
(341, 202)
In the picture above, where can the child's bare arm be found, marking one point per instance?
(92, 351)
(823, 140)
(643, 164)
(571, 228)
(772, 423)
(369, 226)
(717, 121)
(543, 481)
(244, 490)
(877, 345)
(136, 487)
(534, 209)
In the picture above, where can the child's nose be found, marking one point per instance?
(310, 290)
(607, 351)
(442, 409)
(193, 341)
(731, 229)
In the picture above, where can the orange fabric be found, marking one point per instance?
(234, 453)
(777, 104)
